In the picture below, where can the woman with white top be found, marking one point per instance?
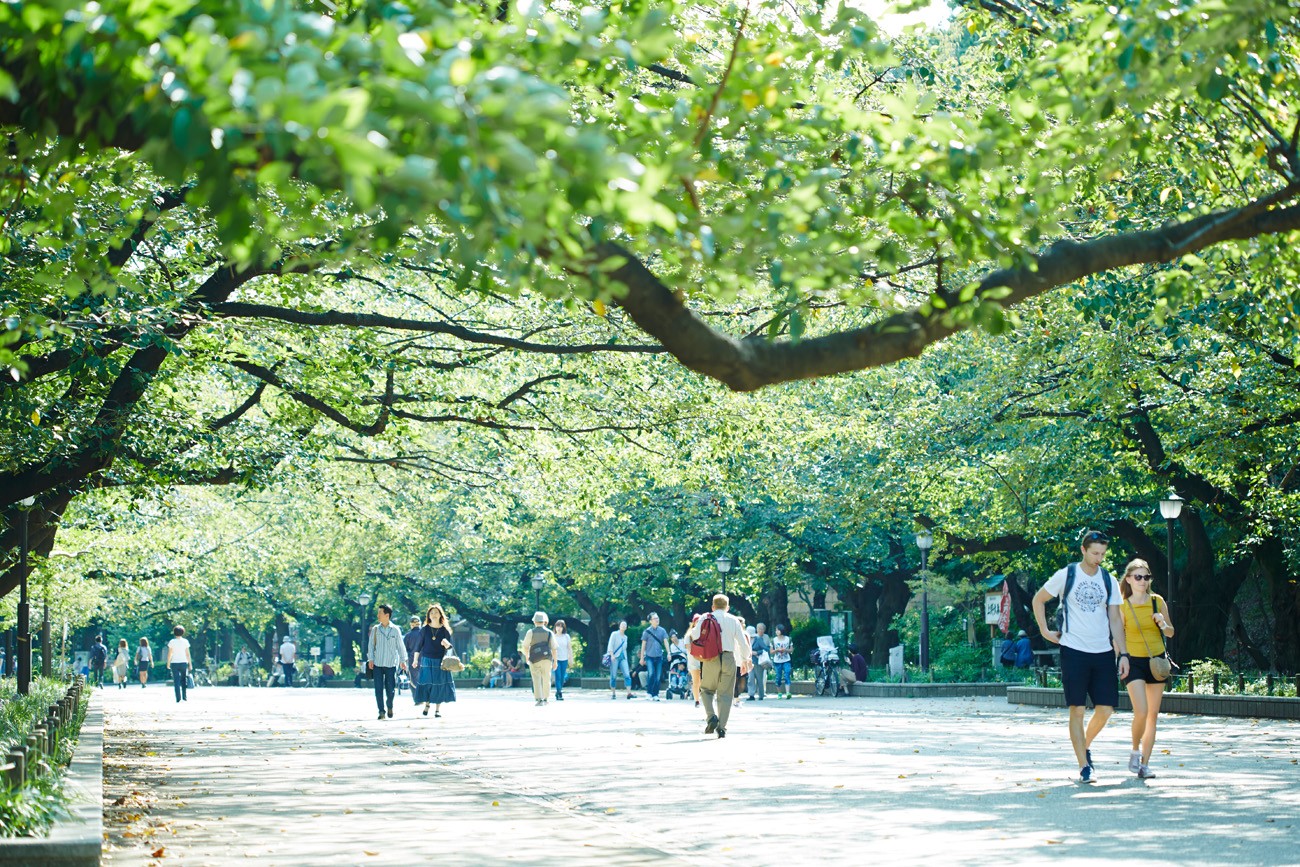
(782, 645)
(563, 653)
(120, 663)
(143, 660)
(616, 650)
(178, 660)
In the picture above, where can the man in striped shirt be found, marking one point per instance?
(386, 652)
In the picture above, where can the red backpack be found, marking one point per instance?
(709, 644)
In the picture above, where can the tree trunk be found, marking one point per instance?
(1284, 598)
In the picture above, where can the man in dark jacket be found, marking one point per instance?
(98, 660)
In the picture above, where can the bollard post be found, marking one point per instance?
(1241, 683)
(33, 749)
(1216, 683)
(1191, 683)
(55, 715)
(1297, 685)
(53, 725)
(18, 774)
(1268, 683)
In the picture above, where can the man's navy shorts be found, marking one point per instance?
(1089, 674)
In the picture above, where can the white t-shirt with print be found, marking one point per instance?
(1089, 614)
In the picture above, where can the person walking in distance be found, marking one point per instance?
(143, 660)
(1091, 633)
(616, 650)
(433, 685)
(412, 640)
(539, 649)
(782, 646)
(121, 663)
(178, 662)
(693, 662)
(563, 653)
(718, 641)
(385, 653)
(759, 644)
(288, 658)
(654, 640)
(98, 661)
(244, 666)
(1146, 627)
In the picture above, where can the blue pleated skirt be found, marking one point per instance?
(433, 686)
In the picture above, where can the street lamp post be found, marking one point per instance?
(24, 609)
(538, 581)
(1171, 507)
(724, 566)
(363, 599)
(924, 540)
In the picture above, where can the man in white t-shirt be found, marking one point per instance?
(288, 656)
(1090, 636)
(718, 675)
(179, 661)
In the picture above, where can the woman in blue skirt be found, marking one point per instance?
(432, 684)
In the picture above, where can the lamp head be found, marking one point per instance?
(723, 563)
(1171, 506)
(364, 599)
(27, 502)
(538, 581)
(924, 540)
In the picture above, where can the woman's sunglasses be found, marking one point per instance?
(1145, 577)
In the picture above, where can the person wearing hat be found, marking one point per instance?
(540, 651)
(412, 640)
(1024, 652)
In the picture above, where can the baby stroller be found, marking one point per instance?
(679, 678)
(826, 659)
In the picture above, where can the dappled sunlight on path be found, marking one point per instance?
(314, 779)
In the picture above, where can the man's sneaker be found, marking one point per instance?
(712, 726)
(722, 733)
(381, 714)
(1087, 757)
(1085, 774)
(1135, 761)
(1145, 773)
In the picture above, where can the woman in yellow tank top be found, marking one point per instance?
(1146, 626)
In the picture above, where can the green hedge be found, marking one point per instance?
(32, 809)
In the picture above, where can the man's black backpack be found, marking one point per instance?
(1062, 612)
(98, 655)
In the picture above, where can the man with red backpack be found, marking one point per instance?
(717, 641)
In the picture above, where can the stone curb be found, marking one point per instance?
(1253, 706)
(78, 838)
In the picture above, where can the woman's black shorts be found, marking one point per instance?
(1139, 668)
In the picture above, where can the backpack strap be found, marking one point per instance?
(1065, 594)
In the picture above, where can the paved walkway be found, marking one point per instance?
(310, 777)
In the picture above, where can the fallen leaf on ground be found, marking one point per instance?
(496, 803)
(158, 853)
(368, 852)
(610, 810)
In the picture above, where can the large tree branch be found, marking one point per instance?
(270, 377)
(96, 453)
(746, 365)
(338, 318)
